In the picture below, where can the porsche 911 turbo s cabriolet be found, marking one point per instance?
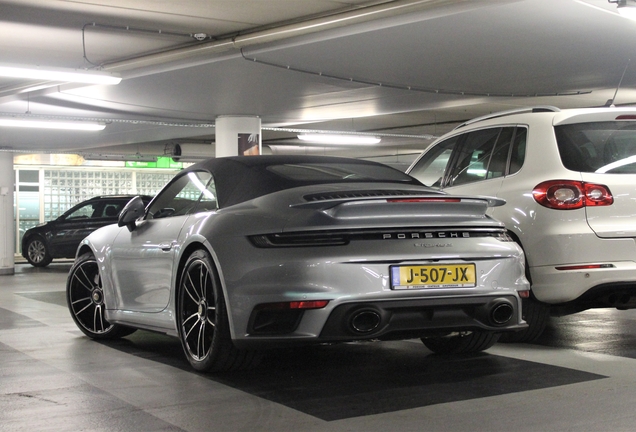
(239, 254)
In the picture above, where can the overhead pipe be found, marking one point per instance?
(230, 47)
(284, 32)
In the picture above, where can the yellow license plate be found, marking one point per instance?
(433, 276)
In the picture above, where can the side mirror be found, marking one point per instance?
(132, 211)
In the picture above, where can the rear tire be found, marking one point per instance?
(536, 314)
(468, 342)
(203, 322)
(85, 299)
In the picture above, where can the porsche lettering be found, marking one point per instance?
(425, 235)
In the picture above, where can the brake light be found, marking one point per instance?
(570, 194)
(626, 117)
(403, 200)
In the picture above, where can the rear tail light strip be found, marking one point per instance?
(412, 200)
(341, 238)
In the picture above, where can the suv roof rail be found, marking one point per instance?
(540, 108)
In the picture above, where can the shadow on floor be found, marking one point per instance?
(358, 379)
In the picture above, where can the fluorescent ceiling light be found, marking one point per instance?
(113, 157)
(627, 12)
(624, 9)
(58, 74)
(339, 139)
(50, 124)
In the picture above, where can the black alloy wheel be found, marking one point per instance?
(203, 322)
(85, 298)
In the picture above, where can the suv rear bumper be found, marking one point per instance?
(554, 286)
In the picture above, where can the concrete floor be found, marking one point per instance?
(581, 376)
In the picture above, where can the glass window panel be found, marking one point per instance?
(431, 168)
(29, 176)
(472, 161)
(600, 147)
(518, 151)
(499, 159)
(181, 196)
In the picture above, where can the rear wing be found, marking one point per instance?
(328, 203)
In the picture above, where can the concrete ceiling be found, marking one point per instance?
(404, 69)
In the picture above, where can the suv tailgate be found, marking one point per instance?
(618, 219)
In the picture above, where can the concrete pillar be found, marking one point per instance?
(237, 136)
(7, 224)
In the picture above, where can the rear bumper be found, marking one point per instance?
(555, 287)
(398, 319)
(393, 319)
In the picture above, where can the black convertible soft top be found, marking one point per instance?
(242, 178)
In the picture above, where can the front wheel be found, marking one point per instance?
(85, 298)
(461, 343)
(204, 328)
(38, 253)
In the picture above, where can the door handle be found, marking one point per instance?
(165, 247)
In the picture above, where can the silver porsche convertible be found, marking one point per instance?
(239, 254)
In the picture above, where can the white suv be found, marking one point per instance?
(569, 180)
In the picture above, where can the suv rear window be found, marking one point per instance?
(598, 147)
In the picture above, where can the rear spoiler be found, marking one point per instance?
(327, 204)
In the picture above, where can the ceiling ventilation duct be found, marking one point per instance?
(192, 152)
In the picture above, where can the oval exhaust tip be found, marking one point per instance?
(365, 321)
(501, 313)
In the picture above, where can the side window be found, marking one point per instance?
(499, 160)
(474, 156)
(518, 151)
(208, 198)
(110, 210)
(183, 195)
(431, 167)
(84, 212)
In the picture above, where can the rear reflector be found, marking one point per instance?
(315, 304)
(626, 117)
(309, 304)
(524, 294)
(585, 267)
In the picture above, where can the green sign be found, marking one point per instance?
(162, 162)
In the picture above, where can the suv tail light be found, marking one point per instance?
(570, 194)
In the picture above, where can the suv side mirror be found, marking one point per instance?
(133, 210)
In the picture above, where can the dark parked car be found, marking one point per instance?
(59, 238)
